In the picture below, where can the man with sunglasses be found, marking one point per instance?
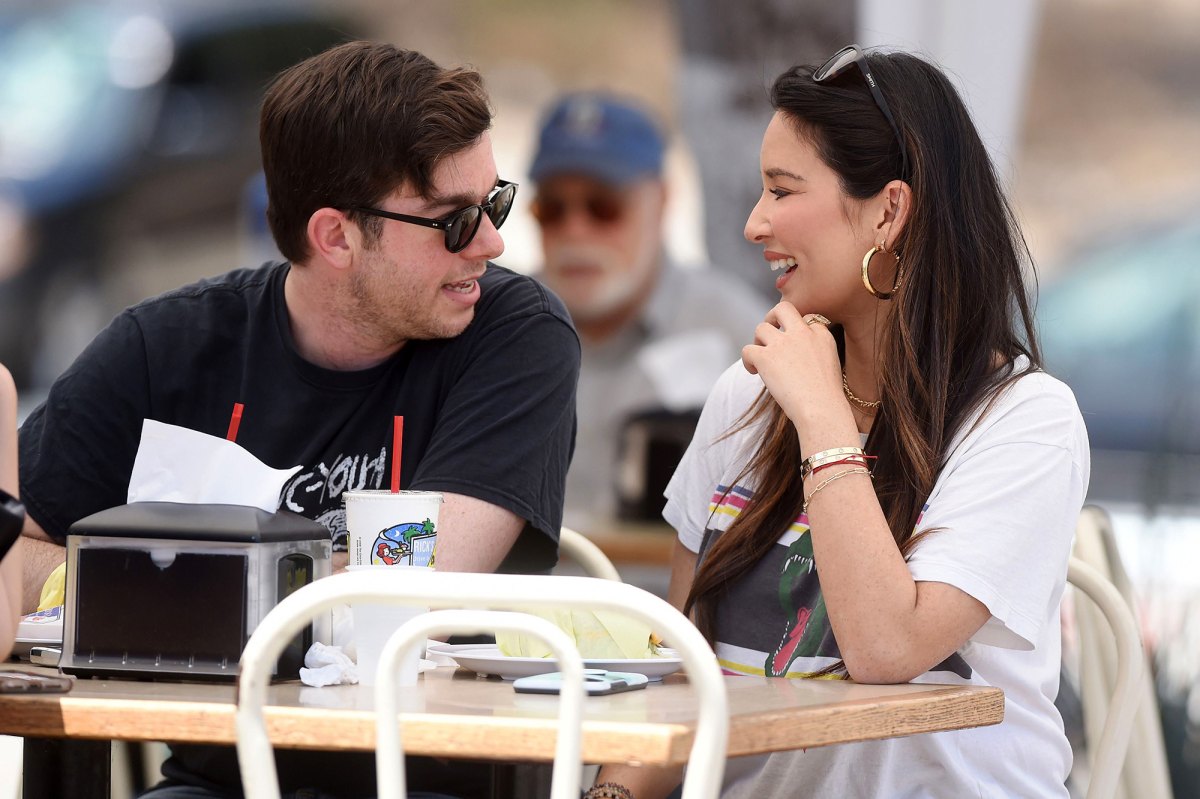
(385, 200)
(655, 336)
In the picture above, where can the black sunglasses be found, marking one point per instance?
(459, 226)
(852, 55)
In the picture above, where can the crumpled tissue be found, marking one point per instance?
(327, 665)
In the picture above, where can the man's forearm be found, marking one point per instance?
(41, 557)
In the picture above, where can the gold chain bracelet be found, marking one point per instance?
(827, 481)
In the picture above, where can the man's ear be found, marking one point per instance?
(894, 206)
(332, 237)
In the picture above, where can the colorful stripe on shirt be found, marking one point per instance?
(730, 501)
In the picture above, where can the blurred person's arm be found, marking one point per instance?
(10, 598)
(10, 567)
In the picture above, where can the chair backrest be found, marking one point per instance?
(590, 557)
(1146, 774)
(389, 753)
(1107, 755)
(440, 590)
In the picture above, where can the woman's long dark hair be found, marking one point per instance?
(962, 304)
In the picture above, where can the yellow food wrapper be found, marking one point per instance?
(54, 590)
(599, 635)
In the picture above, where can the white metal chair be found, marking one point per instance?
(1145, 774)
(590, 557)
(1107, 753)
(389, 753)
(439, 590)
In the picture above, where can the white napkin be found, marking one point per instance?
(327, 665)
(175, 464)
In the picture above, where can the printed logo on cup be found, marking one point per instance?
(407, 544)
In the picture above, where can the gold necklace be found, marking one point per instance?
(869, 407)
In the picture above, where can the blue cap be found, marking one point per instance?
(599, 136)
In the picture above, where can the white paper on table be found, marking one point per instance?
(175, 464)
(683, 367)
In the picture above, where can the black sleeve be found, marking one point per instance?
(77, 448)
(506, 431)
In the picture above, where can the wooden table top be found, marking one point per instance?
(640, 543)
(453, 713)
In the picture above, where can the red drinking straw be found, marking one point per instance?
(234, 422)
(397, 440)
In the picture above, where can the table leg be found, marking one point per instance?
(57, 767)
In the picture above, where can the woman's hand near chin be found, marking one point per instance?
(796, 357)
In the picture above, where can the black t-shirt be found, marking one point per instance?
(489, 414)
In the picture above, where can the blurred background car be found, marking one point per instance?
(127, 133)
(1122, 328)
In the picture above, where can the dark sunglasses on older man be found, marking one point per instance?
(603, 209)
(459, 226)
(853, 56)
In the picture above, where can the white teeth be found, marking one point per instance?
(462, 288)
(783, 263)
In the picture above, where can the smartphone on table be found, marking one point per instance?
(597, 682)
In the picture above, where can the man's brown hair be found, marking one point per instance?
(352, 124)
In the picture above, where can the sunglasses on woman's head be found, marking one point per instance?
(842, 60)
(604, 209)
(459, 226)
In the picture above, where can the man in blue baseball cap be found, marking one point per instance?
(655, 336)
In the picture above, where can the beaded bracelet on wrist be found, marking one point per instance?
(608, 790)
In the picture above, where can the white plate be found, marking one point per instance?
(487, 659)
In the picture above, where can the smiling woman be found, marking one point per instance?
(886, 487)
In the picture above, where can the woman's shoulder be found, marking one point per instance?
(1034, 386)
(1034, 407)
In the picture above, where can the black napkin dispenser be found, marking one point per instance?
(175, 590)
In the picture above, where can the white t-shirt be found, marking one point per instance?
(1006, 503)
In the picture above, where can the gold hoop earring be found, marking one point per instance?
(866, 274)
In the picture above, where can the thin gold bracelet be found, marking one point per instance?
(827, 481)
(828, 453)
